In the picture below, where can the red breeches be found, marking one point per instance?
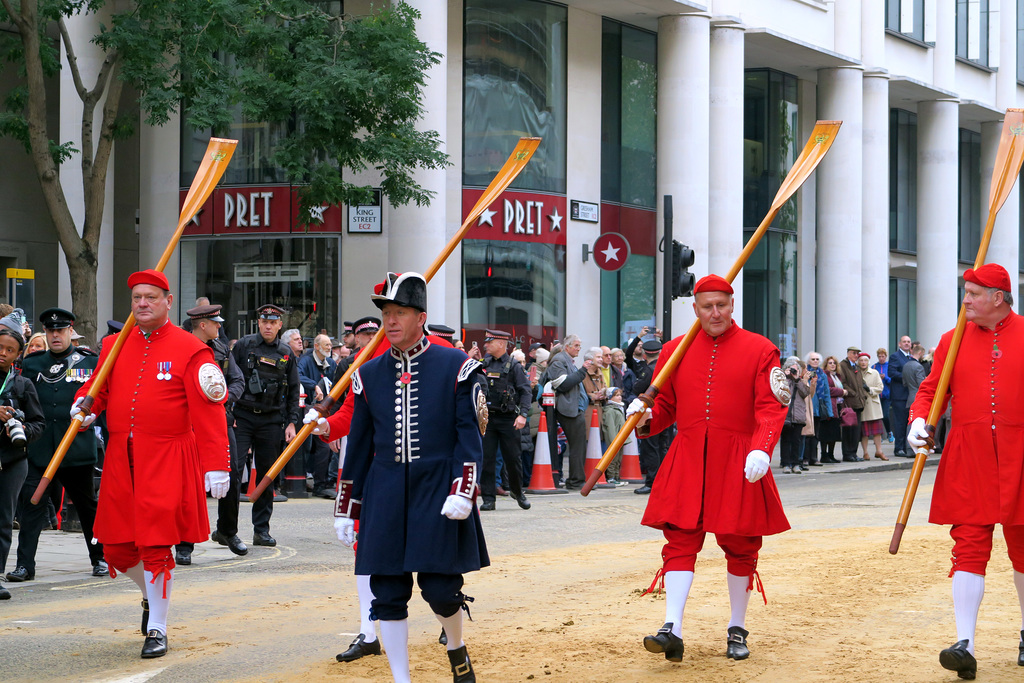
(123, 556)
(972, 547)
(680, 552)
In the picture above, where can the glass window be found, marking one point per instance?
(250, 164)
(906, 17)
(969, 238)
(769, 289)
(514, 85)
(902, 310)
(972, 30)
(299, 274)
(902, 180)
(628, 176)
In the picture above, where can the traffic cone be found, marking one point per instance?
(252, 485)
(540, 479)
(629, 470)
(594, 453)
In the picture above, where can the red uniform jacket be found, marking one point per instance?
(721, 399)
(980, 476)
(159, 500)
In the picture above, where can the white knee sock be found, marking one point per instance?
(1018, 581)
(158, 604)
(452, 629)
(739, 598)
(394, 636)
(365, 598)
(677, 589)
(968, 590)
(138, 575)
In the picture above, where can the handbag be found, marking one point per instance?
(847, 416)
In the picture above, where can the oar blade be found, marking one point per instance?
(1008, 159)
(517, 160)
(818, 144)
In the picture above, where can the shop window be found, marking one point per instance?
(969, 233)
(902, 180)
(514, 85)
(902, 310)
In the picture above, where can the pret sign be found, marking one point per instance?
(611, 250)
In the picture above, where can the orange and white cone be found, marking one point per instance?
(594, 453)
(540, 477)
(629, 470)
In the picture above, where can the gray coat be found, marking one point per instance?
(566, 379)
(913, 375)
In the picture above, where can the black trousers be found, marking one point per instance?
(263, 434)
(318, 460)
(900, 415)
(443, 592)
(653, 450)
(851, 439)
(78, 483)
(811, 444)
(12, 476)
(789, 445)
(575, 429)
(501, 431)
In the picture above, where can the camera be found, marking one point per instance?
(16, 430)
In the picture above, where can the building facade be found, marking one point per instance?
(708, 102)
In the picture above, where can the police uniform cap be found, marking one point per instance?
(347, 327)
(114, 326)
(369, 324)
(496, 335)
(442, 331)
(56, 318)
(652, 346)
(270, 312)
(207, 312)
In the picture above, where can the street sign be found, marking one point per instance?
(611, 250)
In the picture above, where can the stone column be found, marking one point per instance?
(683, 130)
(1004, 246)
(937, 192)
(875, 220)
(159, 211)
(725, 191)
(839, 211)
(416, 234)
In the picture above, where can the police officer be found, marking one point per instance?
(508, 408)
(270, 401)
(653, 448)
(205, 322)
(57, 374)
(363, 331)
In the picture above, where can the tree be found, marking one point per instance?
(346, 89)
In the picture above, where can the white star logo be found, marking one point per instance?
(486, 217)
(556, 220)
(195, 218)
(611, 253)
(316, 213)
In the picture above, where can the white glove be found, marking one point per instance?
(322, 428)
(217, 483)
(757, 465)
(638, 406)
(346, 530)
(918, 435)
(457, 507)
(76, 409)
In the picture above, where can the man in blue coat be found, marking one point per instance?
(898, 398)
(316, 374)
(410, 475)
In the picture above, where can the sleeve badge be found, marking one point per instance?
(780, 386)
(211, 382)
(480, 403)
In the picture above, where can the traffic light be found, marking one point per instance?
(682, 279)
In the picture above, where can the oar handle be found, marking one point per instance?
(62, 449)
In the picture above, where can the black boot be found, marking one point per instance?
(145, 616)
(665, 641)
(462, 668)
(1020, 650)
(958, 659)
(736, 645)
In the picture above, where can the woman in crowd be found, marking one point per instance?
(37, 342)
(830, 429)
(821, 407)
(871, 424)
(593, 384)
(882, 366)
(791, 440)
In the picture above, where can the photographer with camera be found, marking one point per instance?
(23, 422)
(796, 417)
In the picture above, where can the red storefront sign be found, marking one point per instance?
(257, 210)
(611, 251)
(518, 216)
(639, 226)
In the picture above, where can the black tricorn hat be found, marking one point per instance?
(404, 289)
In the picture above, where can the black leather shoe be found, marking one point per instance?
(145, 616)
(487, 506)
(234, 543)
(329, 494)
(958, 659)
(665, 641)
(20, 574)
(359, 648)
(830, 461)
(4, 593)
(443, 638)
(155, 645)
(183, 558)
(643, 490)
(462, 668)
(1020, 648)
(100, 569)
(263, 538)
(523, 503)
(736, 645)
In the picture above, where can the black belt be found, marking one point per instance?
(260, 411)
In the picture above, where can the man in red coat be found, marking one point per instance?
(164, 390)
(728, 398)
(980, 480)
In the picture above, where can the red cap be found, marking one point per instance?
(712, 283)
(863, 354)
(989, 275)
(149, 277)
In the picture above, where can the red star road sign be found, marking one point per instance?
(611, 250)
